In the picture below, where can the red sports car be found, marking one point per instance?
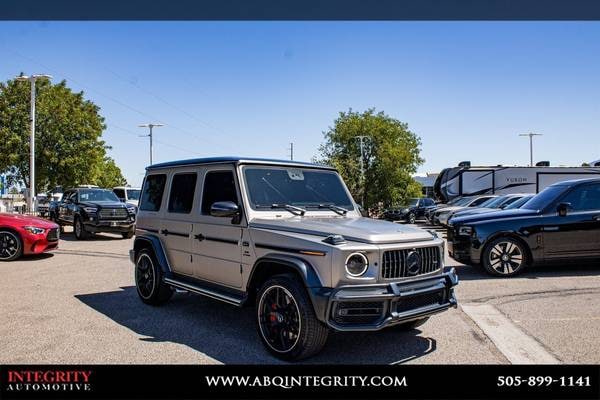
(21, 234)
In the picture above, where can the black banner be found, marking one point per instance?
(356, 10)
(299, 381)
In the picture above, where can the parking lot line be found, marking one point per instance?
(517, 346)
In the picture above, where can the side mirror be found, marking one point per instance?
(563, 209)
(224, 209)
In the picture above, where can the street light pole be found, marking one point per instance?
(31, 203)
(530, 135)
(150, 126)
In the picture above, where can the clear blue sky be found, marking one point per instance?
(231, 88)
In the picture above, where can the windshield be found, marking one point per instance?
(518, 203)
(463, 201)
(544, 198)
(412, 202)
(296, 187)
(97, 195)
(133, 194)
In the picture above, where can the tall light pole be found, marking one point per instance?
(150, 126)
(531, 135)
(291, 149)
(31, 203)
(362, 138)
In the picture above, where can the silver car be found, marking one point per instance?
(287, 238)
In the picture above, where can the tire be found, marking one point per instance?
(11, 245)
(286, 321)
(79, 229)
(505, 257)
(127, 235)
(407, 326)
(148, 279)
(411, 218)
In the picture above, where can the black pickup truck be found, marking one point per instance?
(94, 210)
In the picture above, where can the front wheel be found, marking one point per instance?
(504, 257)
(287, 324)
(11, 246)
(411, 218)
(79, 229)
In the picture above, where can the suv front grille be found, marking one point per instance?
(395, 262)
(113, 213)
(419, 301)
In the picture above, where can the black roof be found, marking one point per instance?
(235, 160)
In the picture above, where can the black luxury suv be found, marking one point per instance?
(93, 210)
(410, 212)
(561, 223)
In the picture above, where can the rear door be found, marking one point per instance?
(216, 242)
(176, 225)
(578, 233)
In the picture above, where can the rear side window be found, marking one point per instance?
(218, 186)
(182, 193)
(153, 192)
(120, 193)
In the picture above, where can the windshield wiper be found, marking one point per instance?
(288, 207)
(336, 209)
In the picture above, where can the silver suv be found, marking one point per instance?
(287, 238)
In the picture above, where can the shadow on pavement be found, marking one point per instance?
(469, 272)
(70, 237)
(228, 334)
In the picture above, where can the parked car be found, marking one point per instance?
(94, 210)
(493, 204)
(287, 238)
(561, 223)
(505, 202)
(438, 205)
(43, 204)
(410, 212)
(462, 204)
(25, 235)
(127, 194)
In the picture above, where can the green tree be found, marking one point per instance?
(391, 157)
(69, 147)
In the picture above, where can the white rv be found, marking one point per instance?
(465, 180)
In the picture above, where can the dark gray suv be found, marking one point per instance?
(287, 238)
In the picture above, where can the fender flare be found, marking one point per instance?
(156, 245)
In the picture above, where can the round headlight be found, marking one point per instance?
(356, 264)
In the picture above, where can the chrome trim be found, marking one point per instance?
(365, 259)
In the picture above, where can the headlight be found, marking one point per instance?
(90, 210)
(465, 230)
(356, 264)
(34, 229)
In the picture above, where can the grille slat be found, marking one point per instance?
(113, 213)
(395, 265)
(52, 235)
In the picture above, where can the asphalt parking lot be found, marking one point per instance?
(79, 305)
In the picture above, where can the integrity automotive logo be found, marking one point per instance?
(48, 380)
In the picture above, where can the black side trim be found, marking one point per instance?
(215, 291)
(147, 229)
(287, 249)
(187, 235)
(220, 240)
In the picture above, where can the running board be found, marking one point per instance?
(208, 292)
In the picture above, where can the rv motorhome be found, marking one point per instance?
(465, 180)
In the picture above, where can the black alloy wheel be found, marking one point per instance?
(79, 229)
(11, 246)
(504, 257)
(148, 279)
(286, 320)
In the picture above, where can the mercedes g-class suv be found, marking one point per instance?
(93, 210)
(287, 238)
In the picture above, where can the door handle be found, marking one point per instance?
(164, 232)
(199, 237)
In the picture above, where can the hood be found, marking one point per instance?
(103, 203)
(358, 229)
(494, 215)
(24, 220)
(449, 209)
(474, 211)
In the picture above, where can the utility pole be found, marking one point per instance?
(31, 203)
(291, 149)
(150, 126)
(361, 138)
(531, 135)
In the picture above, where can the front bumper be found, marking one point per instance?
(461, 248)
(374, 307)
(122, 226)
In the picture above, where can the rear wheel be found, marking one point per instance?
(11, 246)
(287, 324)
(148, 279)
(504, 257)
(79, 229)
